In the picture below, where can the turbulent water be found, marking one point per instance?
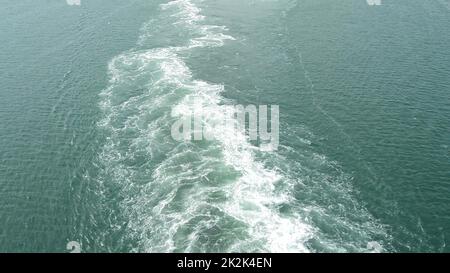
(89, 95)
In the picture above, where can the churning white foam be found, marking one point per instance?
(190, 197)
(251, 198)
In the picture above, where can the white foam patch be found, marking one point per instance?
(169, 206)
(251, 197)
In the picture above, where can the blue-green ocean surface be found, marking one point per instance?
(87, 97)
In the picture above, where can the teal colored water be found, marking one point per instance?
(87, 95)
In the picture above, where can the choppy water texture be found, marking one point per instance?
(89, 94)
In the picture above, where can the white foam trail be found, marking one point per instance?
(251, 197)
(215, 196)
